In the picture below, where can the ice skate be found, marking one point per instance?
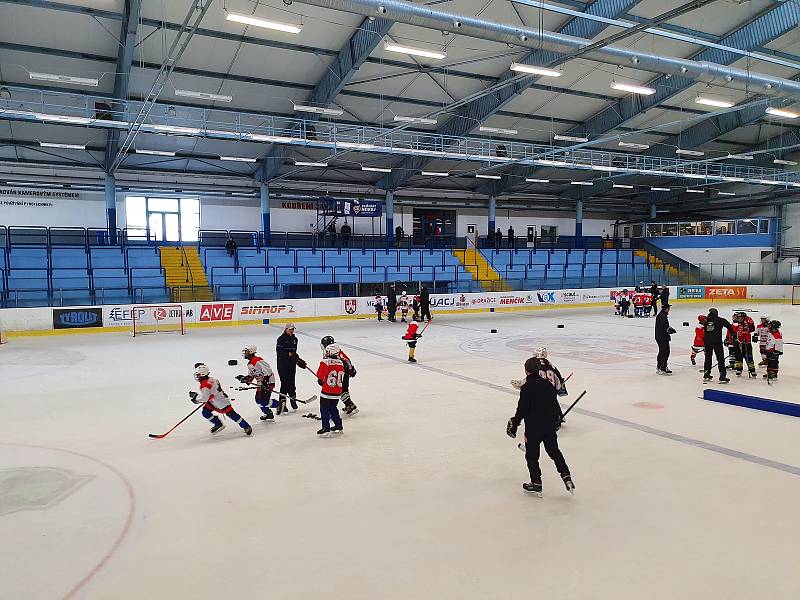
(568, 483)
(218, 427)
(724, 379)
(534, 489)
(667, 372)
(350, 408)
(336, 429)
(248, 431)
(324, 432)
(293, 402)
(411, 359)
(268, 416)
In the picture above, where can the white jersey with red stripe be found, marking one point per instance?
(763, 333)
(774, 341)
(211, 392)
(259, 371)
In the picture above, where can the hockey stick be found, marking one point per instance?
(242, 389)
(156, 436)
(571, 406)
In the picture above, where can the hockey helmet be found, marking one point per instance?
(775, 325)
(702, 319)
(201, 372)
(332, 350)
(540, 353)
(404, 294)
(765, 318)
(249, 351)
(533, 365)
(326, 341)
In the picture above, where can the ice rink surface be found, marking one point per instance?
(421, 496)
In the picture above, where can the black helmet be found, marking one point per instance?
(713, 312)
(326, 341)
(533, 365)
(775, 325)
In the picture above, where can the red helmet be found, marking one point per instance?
(702, 319)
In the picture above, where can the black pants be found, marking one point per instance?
(425, 312)
(287, 373)
(550, 441)
(715, 351)
(663, 354)
(654, 306)
(392, 309)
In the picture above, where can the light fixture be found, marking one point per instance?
(376, 169)
(633, 89)
(175, 129)
(415, 51)
(633, 145)
(484, 176)
(277, 139)
(570, 138)
(244, 159)
(777, 112)
(356, 145)
(604, 168)
(731, 179)
(320, 110)
(766, 181)
(689, 152)
(63, 146)
(725, 194)
(622, 186)
(203, 95)
(531, 180)
(68, 79)
(714, 102)
(422, 120)
(690, 191)
(521, 68)
(154, 152)
(64, 119)
(693, 176)
(436, 173)
(552, 163)
(741, 156)
(276, 25)
(307, 163)
(581, 183)
(499, 130)
(780, 161)
(660, 189)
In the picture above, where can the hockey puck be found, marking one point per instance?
(233, 362)
(560, 326)
(493, 331)
(686, 323)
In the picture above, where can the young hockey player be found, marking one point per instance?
(260, 373)
(411, 336)
(379, 306)
(552, 374)
(214, 399)
(774, 349)
(539, 409)
(647, 304)
(762, 331)
(625, 303)
(744, 346)
(730, 342)
(349, 371)
(638, 304)
(403, 304)
(699, 334)
(330, 375)
(415, 307)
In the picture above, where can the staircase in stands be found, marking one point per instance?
(481, 270)
(185, 274)
(657, 263)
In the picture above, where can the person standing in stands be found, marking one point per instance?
(498, 239)
(425, 304)
(332, 232)
(232, 249)
(346, 233)
(398, 236)
(654, 295)
(510, 236)
(391, 303)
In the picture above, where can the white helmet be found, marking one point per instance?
(540, 353)
(404, 294)
(249, 351)
(332, 350)
(201, 371)
(765, 318)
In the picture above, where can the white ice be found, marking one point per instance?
(421, 496)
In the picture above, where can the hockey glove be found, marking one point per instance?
(511, 428)
(352, 372)
(301, 363)
(243, 378)
(517, 383)
(193, 396)
(671, 331)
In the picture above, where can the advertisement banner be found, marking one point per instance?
(691, 291)
(122, 315)
(77, 318)
(726, 292)
(216, 312)
(265, 309)
(362, 208)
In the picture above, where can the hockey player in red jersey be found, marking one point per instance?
(330, 375)
(762, 331)
(699, 335)
(774, 349)
(411, 336)
(215, 400)
(260, 373)
(744, 346)
(349, 372)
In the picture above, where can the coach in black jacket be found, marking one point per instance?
(713, 343)
(663, 336)
(288, 361)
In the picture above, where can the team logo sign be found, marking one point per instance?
(350, 305)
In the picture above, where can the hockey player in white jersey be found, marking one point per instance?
(260, 373)
(215, 400)
(553, 375)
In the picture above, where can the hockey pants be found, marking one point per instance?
(772, 363)
(745, 355)
(329, 412)
(231, 414)
(550, 441)
(717, 352)
(263, 400)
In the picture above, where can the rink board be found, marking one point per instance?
(754, 402)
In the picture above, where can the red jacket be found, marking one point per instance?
(331, 373)
(699, 336)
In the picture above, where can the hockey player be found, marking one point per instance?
(552, 374)
(330, 375)
(744, 346)
(638, 304)
(288, 361)
(774, 349)
(411, 336)
(699, 334)
(415, 307)
(539, 409)
(260, 373)
(349, 371)
(762, 331)
(214, 399)
(625, 303)
(647, 303)
(379, 306)
(403, 304)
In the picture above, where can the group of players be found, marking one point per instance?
(333, 376)
(741, 333)
(643, 301)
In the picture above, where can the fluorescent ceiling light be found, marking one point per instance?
(766, 181)
(731, 179)
(714, 102)
(521, 68)
(780, 161)
(604, 168)
(726, 194)
(552, 163)
(741, 156)
(635, 146)
(356, 145)
(376, 169)
(64, 119)
(485, 129)
(203, 95)
(306, 163)
(436, 173)
(660, 189)
(570, 138)
(175, 129)
(622, 186)
(423, 120)
(693, 176)
(581, 183)
(777, 112)
(695, 191)
(28, 183)
(50, 77)
(245, 20)
(482, 176)
(689, 152)
(258, 137)
(415, 51)
(63, 146)
(154, 152)
(531, 180)
(633, 89)
(320, 110)
(238, 159)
